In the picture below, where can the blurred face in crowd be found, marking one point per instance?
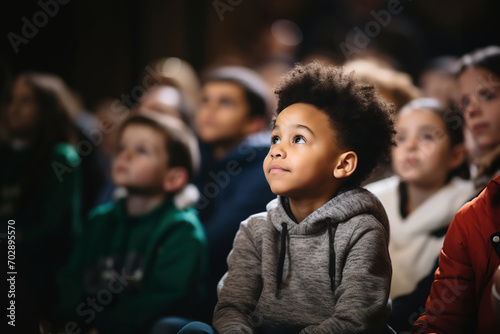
(22, 113)
(424, 155)
(164, 99)
(141, 162)
(223, 117)
(440, 86)
(480, 99)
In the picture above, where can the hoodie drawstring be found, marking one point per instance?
(281, 261)
(331, 255)
(331, 262)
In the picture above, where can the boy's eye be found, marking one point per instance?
(299, 140)
(400, 139)
(485, 94)
(275, 140)
(427, 137)
(142, 150)
(226, 102)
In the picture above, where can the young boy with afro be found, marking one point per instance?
(317, 261)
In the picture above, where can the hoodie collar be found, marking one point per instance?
(345, 205)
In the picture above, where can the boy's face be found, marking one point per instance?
(22, 113)
(480, 95)
(303, 154)
(423, 155)
(223, 114)
(141, 162)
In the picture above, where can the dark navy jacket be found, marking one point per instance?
(231, 190)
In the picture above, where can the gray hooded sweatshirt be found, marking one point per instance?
(334, 274)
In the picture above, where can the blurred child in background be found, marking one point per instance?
(143, 256)
(471, 253)
(479, 84)
(166, 99)
(438, 80)
(396, 87)
(40, 183)
(178, 73)
(110, 113)
(230, 121)
(421, 199)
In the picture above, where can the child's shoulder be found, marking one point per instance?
(383, 186)
(101, 211)
(185, 216)
(64, 152)
(180, 224)
(256, 221)
(257, 226)
(361, 211)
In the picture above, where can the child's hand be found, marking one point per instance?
(495, 297)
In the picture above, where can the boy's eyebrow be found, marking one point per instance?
(300, 126)
(427, 128)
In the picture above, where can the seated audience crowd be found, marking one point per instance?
(345, 199)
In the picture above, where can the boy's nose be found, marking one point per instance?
(206, 112)
(277, 151)
(473, 108)
(126, 154)
(411, 144)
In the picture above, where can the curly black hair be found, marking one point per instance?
(361, 119)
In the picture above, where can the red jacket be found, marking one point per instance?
(459, 301)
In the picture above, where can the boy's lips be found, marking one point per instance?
(121, 169)
(277, 169)
(411, 162)
(479, 127)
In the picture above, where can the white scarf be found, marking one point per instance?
(412, 246)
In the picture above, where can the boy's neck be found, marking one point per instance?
(301, 208)
(418, 195)
(222, 149)
(141, 203)
(220, 152)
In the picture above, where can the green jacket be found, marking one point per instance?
(126, 271)
(55, 203)
(46, 225)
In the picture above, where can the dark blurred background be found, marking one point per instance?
(101, 47)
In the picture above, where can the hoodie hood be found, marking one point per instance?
(345, 205)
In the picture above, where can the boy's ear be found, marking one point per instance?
(458, 155)
(346, 165)
(176, 179)
(255, 124)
